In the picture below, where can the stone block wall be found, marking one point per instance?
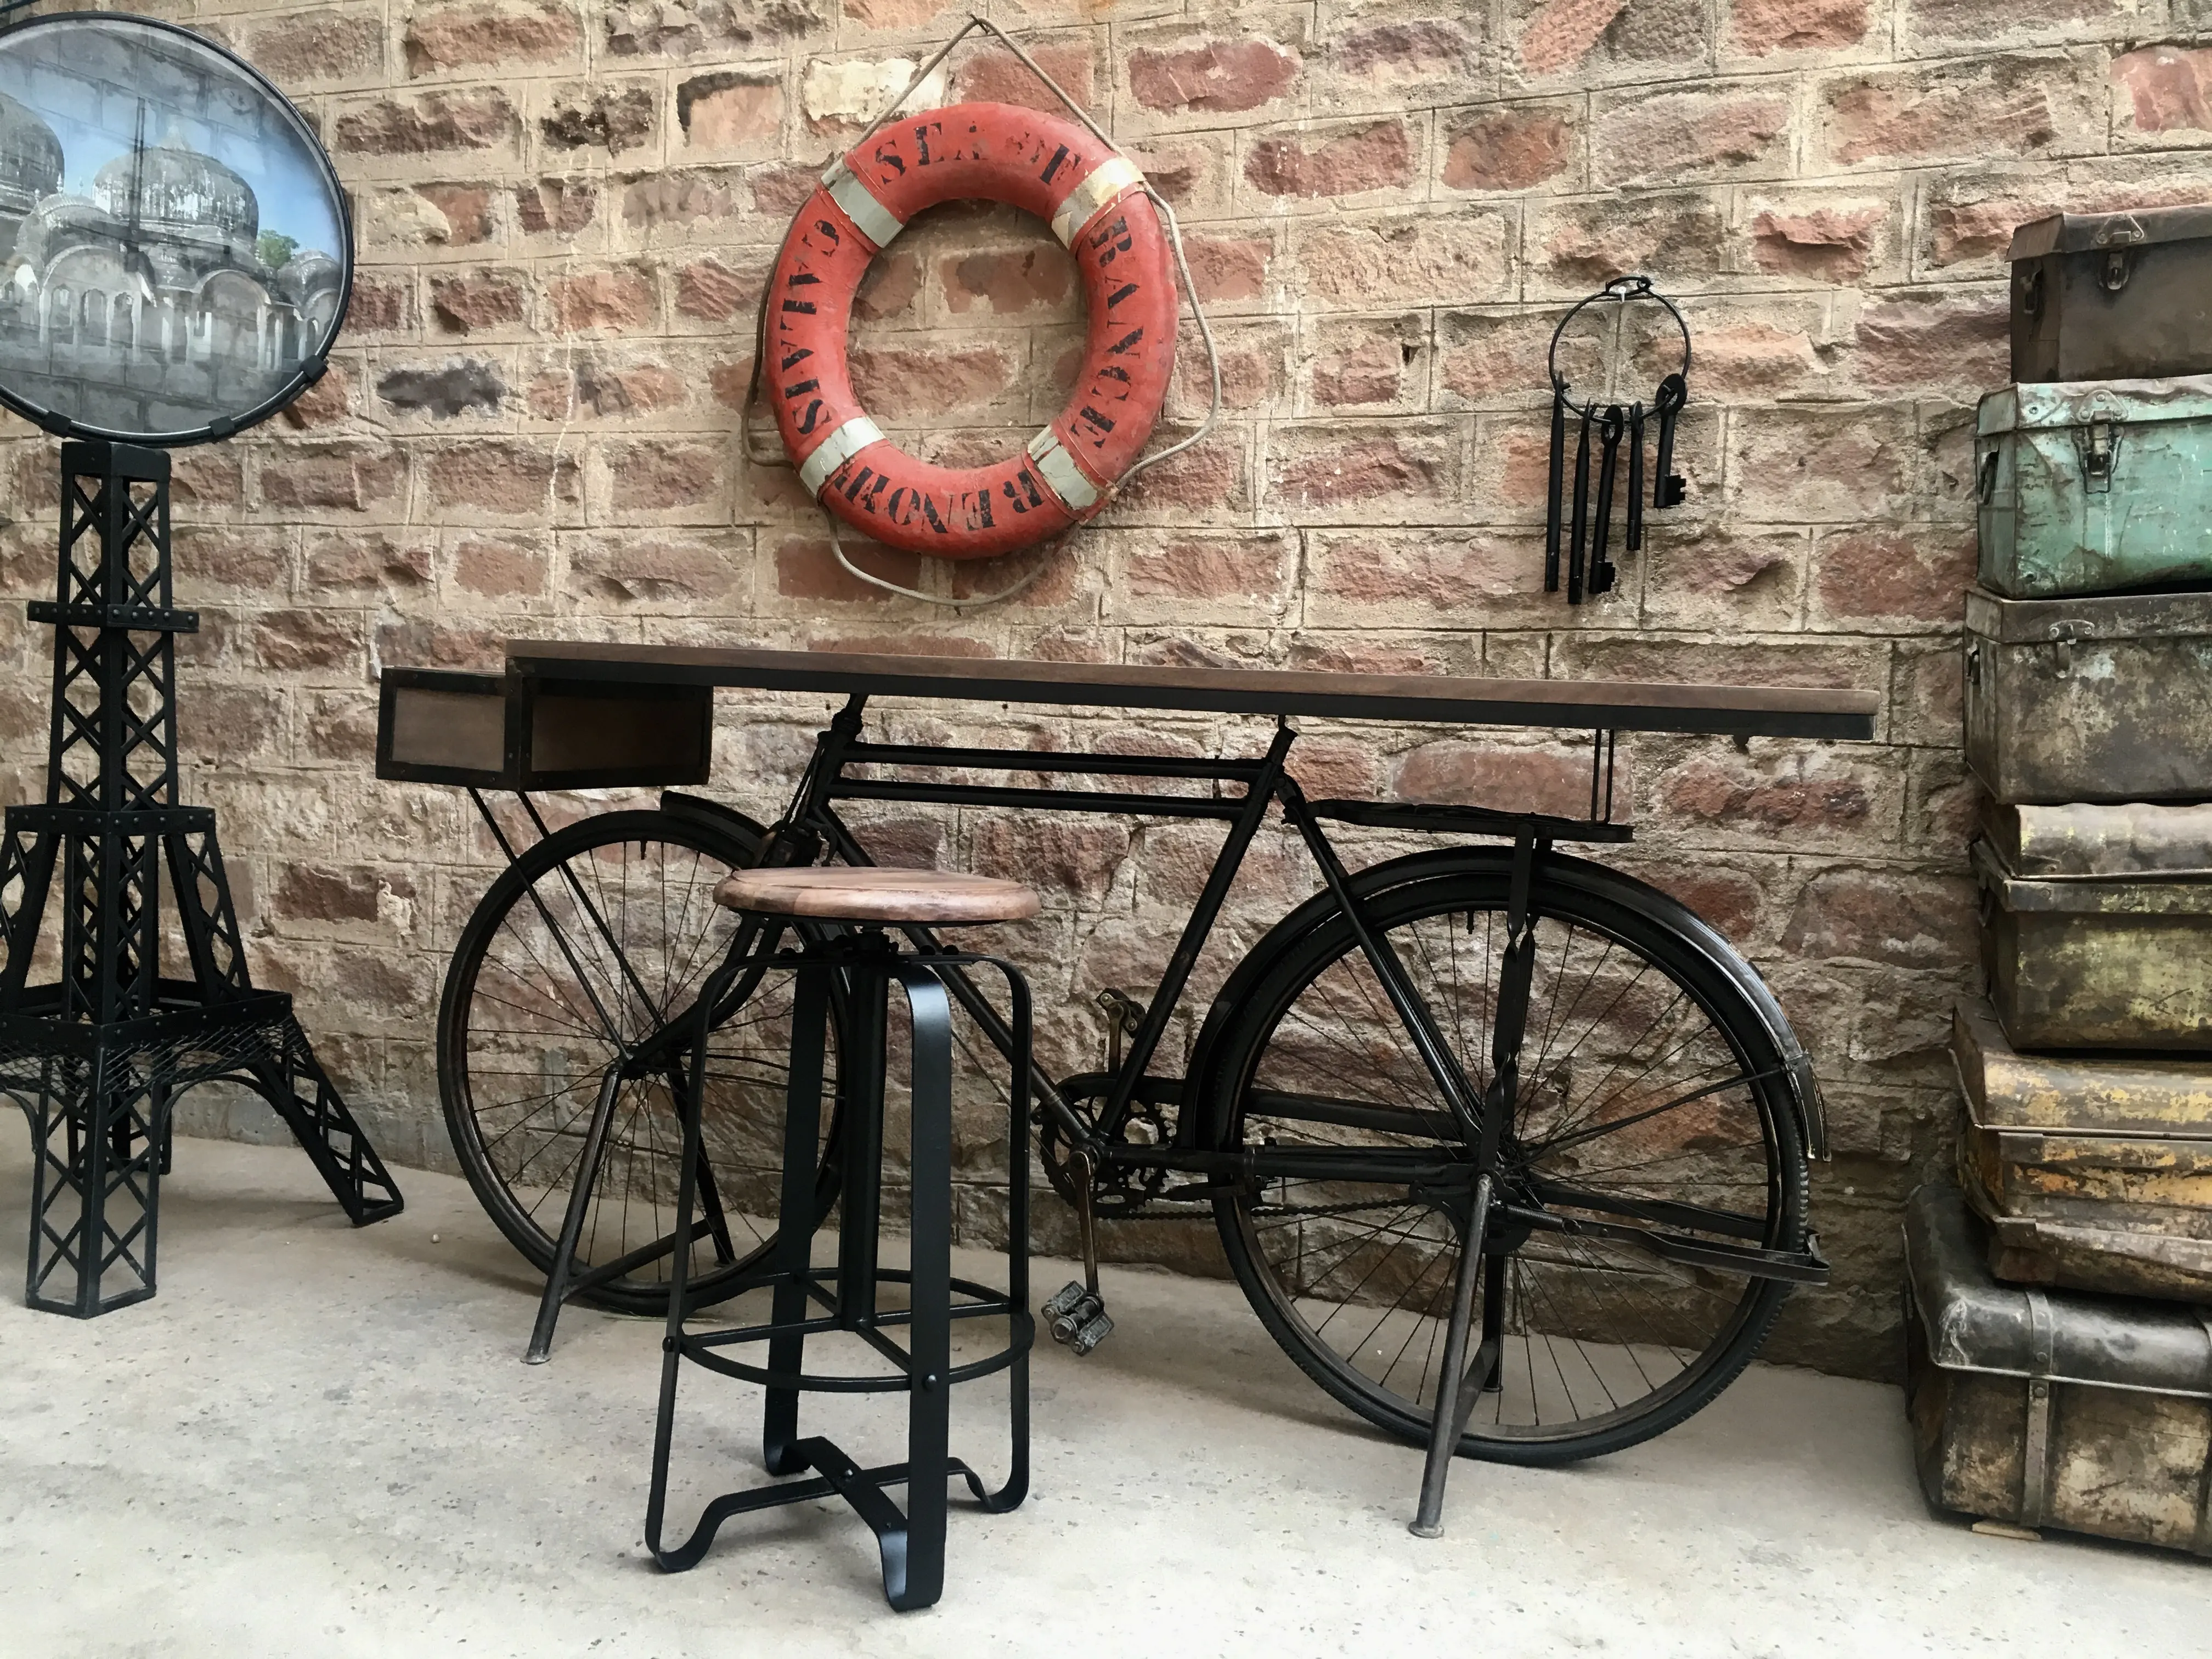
(566, 209)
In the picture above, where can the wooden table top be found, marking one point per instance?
(1589, 705)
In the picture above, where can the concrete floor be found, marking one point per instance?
(321, 1441)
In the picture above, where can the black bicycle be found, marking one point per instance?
(1493, 1125)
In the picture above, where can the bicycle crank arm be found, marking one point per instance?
(1804, 1266)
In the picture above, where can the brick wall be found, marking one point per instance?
(565, 211)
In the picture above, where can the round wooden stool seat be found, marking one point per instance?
(873, 894)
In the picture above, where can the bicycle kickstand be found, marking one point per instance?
(1076, 1312)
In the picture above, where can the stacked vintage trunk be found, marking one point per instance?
(2085, 1160)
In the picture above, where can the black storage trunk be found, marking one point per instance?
(2107, 296)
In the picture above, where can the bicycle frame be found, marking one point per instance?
(812, 825)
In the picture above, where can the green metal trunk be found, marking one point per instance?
(2094, 486)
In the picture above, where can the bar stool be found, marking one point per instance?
(859, 966)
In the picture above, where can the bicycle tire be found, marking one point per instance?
(1575, 899)
(529, 1015)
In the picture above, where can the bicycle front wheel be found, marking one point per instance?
(1653, 1098)
(593, 940)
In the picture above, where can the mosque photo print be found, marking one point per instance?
(174, 255)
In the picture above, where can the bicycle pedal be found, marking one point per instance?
(1097, 1331)
(1070, 1324)
(1064, 1299)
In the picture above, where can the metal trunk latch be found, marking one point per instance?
(2064, 635)
(2099, 443)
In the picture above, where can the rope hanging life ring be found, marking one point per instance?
(1095, 200)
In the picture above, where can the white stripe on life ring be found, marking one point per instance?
(1088, 199)
(834, 451)
(1066, 479)
(875, 221)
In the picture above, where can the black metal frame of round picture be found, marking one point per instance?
(176, 254)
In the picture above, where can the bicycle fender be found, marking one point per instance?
(682, 806)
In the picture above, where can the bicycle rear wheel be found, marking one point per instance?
(1653, 1095)
(595, 937)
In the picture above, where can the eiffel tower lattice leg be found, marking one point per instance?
(290, 1078)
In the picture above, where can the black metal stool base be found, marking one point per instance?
(912, 1540)
(864, 1489)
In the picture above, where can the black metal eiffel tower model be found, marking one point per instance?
(97, 1057)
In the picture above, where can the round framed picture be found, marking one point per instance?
(175, 252)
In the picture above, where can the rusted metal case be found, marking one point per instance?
(2100, 296)
(2097, 962)
(2088, 487)
(494, 731)
(2091, 1173)
(2050, 1409)
(2102, 699)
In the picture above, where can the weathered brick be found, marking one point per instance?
(1929, 342)
(1346, 161)
(1518, 147)
(1684, 137)
(611, 299)
(1759, 28)
(596, 117)
(1068, 861)
(1982, 22)
(1899, 579)
(1373, 464)
(474, 36)
(499, 475)
(680, 198)
(1555, 38)
(327, 402)
(908, 382)
(1458, 256)
(806, 568)
(1581, 245)
(348, 477)
(659, 475)
(613, 390)
(1704, 576)
(379, 306)
(1802, 464)
(1831, 240)
(658, 569)
(563, 206)
(2166, 88)
(711, 290)
(1202, 567)
(458, 385)
(326, 44)
(1222, 78)
(436, 121)
(729, 111)
(503, 567)
(307, 642)
(1367, 361)
(1416, 52)
(1008, 281)
(1554, 778)
(365, 562)
(684, 29)
(1905, 920)
(992, 76)
(2000, 106)
(1796, 794)
(480, 299)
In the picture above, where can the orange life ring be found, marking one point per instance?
(1094, 199)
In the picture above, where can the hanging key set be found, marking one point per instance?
(1573, 524)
